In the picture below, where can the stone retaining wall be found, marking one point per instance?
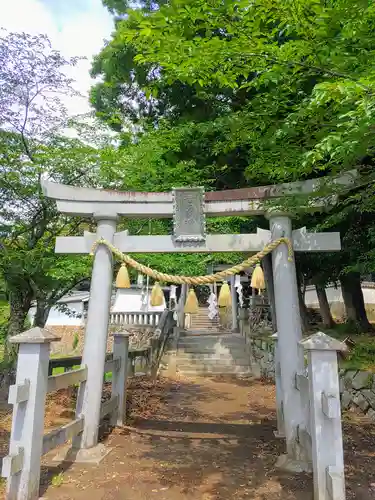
(357, 388)
(263, 357)
(72, 338)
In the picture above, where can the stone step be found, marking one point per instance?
(203, 326)
(197, 326)
(210, 341)
(220, 336)
(244, 363)
(212, 345)
(229, 354)
(204, 319)
(213, 370)
(239, 355)
(201, 332)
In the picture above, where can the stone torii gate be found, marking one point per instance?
(189, 207)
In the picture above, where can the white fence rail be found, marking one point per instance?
(135, 318)
(60, 436)
(64, 380)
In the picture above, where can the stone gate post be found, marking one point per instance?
(28, 396)
(94, 352)
(326, 428)
(120, 377)
(289, 334)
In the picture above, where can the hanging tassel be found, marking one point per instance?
(225, 298)
(191, 304)
(257, 278)
(122, 278)
(157, 295)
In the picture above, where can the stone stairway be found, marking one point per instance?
(201, 322)
(212, 354)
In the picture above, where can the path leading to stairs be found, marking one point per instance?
(199, 439)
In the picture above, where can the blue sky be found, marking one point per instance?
(75, 27)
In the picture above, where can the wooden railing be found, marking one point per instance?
(135, 318)
(69, 431)
(160, 338)
(28, 443)
(68, 363)
(35, 379)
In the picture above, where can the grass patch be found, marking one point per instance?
(362, 354)
(61, 369)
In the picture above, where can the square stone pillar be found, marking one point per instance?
(289, 352)
(28, 397)
(120, 376)
(94, 352)
(325, 416)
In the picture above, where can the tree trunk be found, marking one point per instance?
(268, 276)
(354, 302)
(41, 313)
(305, 323)
(20, 302)
(325, 310)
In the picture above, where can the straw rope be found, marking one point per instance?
(195, 280)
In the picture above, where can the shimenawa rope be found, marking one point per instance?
(194, 280)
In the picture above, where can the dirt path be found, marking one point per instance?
(209, 440)
(204, 440)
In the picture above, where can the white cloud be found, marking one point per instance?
(75, 28)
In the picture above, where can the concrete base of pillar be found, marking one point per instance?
(286, 463)
(255, 370)
(92, 455)
(169, 365)
(279, 435)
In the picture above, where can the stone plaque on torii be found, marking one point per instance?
(189, 208)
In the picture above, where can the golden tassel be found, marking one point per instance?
(191, 304)
(122, 278)
(257, 278)
(157, 295)
(225, 298)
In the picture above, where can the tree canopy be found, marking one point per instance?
(232, 94)
(33, 146)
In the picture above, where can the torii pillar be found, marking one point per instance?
(95, 347)
(289, 327)
(289, 334)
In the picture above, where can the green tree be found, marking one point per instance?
(32, 147)
(259, 93)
